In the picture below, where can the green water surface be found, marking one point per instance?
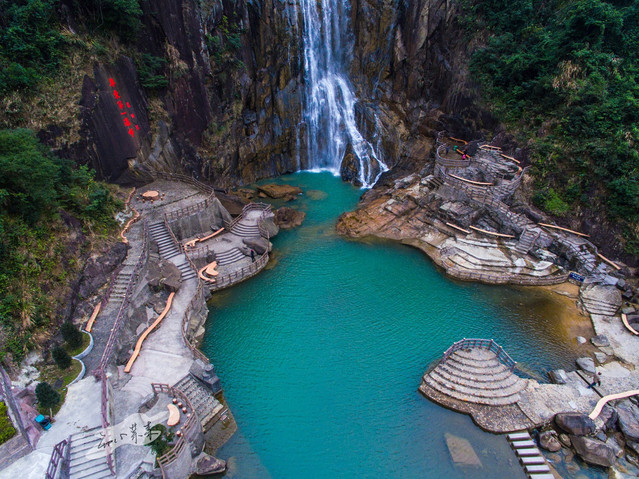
(321, 354)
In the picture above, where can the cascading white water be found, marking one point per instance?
(329, 110)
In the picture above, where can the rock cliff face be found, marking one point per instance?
(232, 109)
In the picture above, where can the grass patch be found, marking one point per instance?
(86, 339)
(7, 431)
(50, 373)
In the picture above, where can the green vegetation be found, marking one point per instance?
(44, 201)
(32, 43)
(7, 431)
(61, 357)
(224, 45)
(150, 71)
(565, 75)
(161, 444)
(47, 396)
(71, 335)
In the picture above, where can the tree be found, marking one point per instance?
(46, 395)
(72, 335)
(61, 357)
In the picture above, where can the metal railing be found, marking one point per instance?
(191, 421)
(59, 455)
(126, 300)
(488, 344)
(224, 281)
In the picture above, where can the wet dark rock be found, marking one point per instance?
(558, 376)
(586, 364)
(601, 341)
(629, 420)
(98, 270)
(287, 218)
(564, 439)
(609, 417)
(575, 423)
(594, 451)
(164, 275)
(549, 441)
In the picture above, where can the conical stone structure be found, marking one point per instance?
(475, 375)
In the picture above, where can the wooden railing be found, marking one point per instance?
(224, 281)
(59, 455)
(488, 344)
(170, 456)
(498, 192)
(125, 301)
(177, 244)
(190, 209)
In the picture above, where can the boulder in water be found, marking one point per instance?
(548, 440)
(287, 218)
(461, 451)
(594, 451)
(575, 423)
(275, 191)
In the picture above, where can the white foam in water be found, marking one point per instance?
(330, 101)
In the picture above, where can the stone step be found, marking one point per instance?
(485, 377)
(474, 370)
(472, 358)
(532, 460)
(479, 391)
(466, 398)
(541, 476)
(468, 382)
(90, 469)
(519, 436)
(531, 451)
(523, 444)
(537, 468)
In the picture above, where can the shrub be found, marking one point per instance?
(46, 395)
(6, 427)
(61, 357)
(72, 335)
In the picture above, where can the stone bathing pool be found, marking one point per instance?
(321, 354)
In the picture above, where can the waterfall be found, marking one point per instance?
(329, 103)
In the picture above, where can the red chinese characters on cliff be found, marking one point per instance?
(128, 119)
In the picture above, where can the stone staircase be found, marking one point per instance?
(160, 234)
(529, 456)
(202, 399)
(246, 229)
(527, 240)
(229, 256)
(476, 376)
(185, 268)
(120, 285)
(87, 459)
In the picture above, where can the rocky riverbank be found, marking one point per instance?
(468, 222)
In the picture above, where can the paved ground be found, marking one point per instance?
(80, 411)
